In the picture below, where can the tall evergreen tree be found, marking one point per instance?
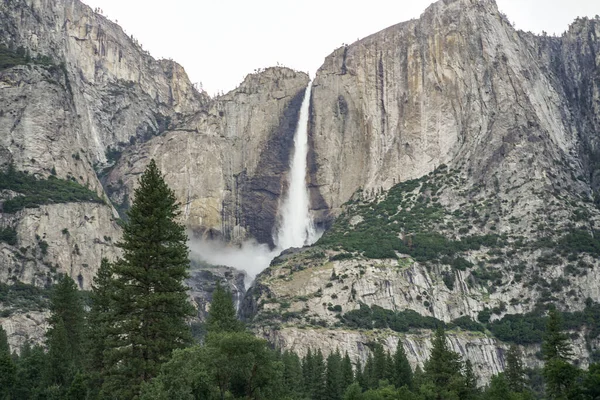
(318, 377)
(222, 315)
(379, 364)
(443, 369)
(65, 337)
(30, 372)
(514, 371)
(66, 305)
(347, 372)
(369, 378)
(8, 369)
(59, 366)
(359, 375)
(471, 391)
(4, 346)
(150, 307)
(402, 373)
(98, 325)
(333, 377)
(292, 373)
(556, 343)
(308, 367)
(560, 376)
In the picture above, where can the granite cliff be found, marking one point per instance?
(453, 158)
(76, 93)
(456, 157)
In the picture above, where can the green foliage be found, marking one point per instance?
(8, 369)
(530, 327)
(556, 345)
(467, 323)
(222, 314)
(185, 376)
(580, 241)
(376, 317)
(514, 371)
(519, 328)
(22, 297)
(35, 192)
(333, 377)
(31, 367)
(8, 235)
(403, 213)
(65, 336)
(98, 325)
(402, 373)
(443, 369)
(149, 304)
(10, 58)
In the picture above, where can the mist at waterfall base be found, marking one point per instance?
(295, 226)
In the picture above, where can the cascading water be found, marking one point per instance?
(296, 228)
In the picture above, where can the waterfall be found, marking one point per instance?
(296, 228)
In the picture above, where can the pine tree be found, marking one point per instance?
(359, 375)
(222, 314)
(443, 368)
(59, 367)
(8, 369)
(368, 375)
(347, 372)
(514, 372)
(559, 374)
(402, 373)
(149, 309)
(308, 367)
(30, 372)
(66, 305)
(65, 337)
(4, 346)
(333, 377)
(318, 377)
(379, 364)
(471, 391)
(556, 343)
(98, 325)
(292, 373)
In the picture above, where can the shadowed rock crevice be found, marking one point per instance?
(260, 194)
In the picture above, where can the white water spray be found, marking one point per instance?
(296, 228)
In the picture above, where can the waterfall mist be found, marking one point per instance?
(295, 227)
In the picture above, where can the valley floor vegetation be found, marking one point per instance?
(131, 339)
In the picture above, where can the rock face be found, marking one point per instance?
(83, 94)
(498, 128)
(458, 86)
(228, 162)
(88, 92)
(499, 131)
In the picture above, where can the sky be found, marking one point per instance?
(219, 42)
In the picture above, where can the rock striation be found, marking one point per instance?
(493, 134)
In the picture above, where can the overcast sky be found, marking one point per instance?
(220, 41)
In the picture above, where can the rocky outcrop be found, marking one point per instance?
(84, 89)
(498, 128)
(82, 94)
(228, 163)
(67, 238)
(459, 86)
